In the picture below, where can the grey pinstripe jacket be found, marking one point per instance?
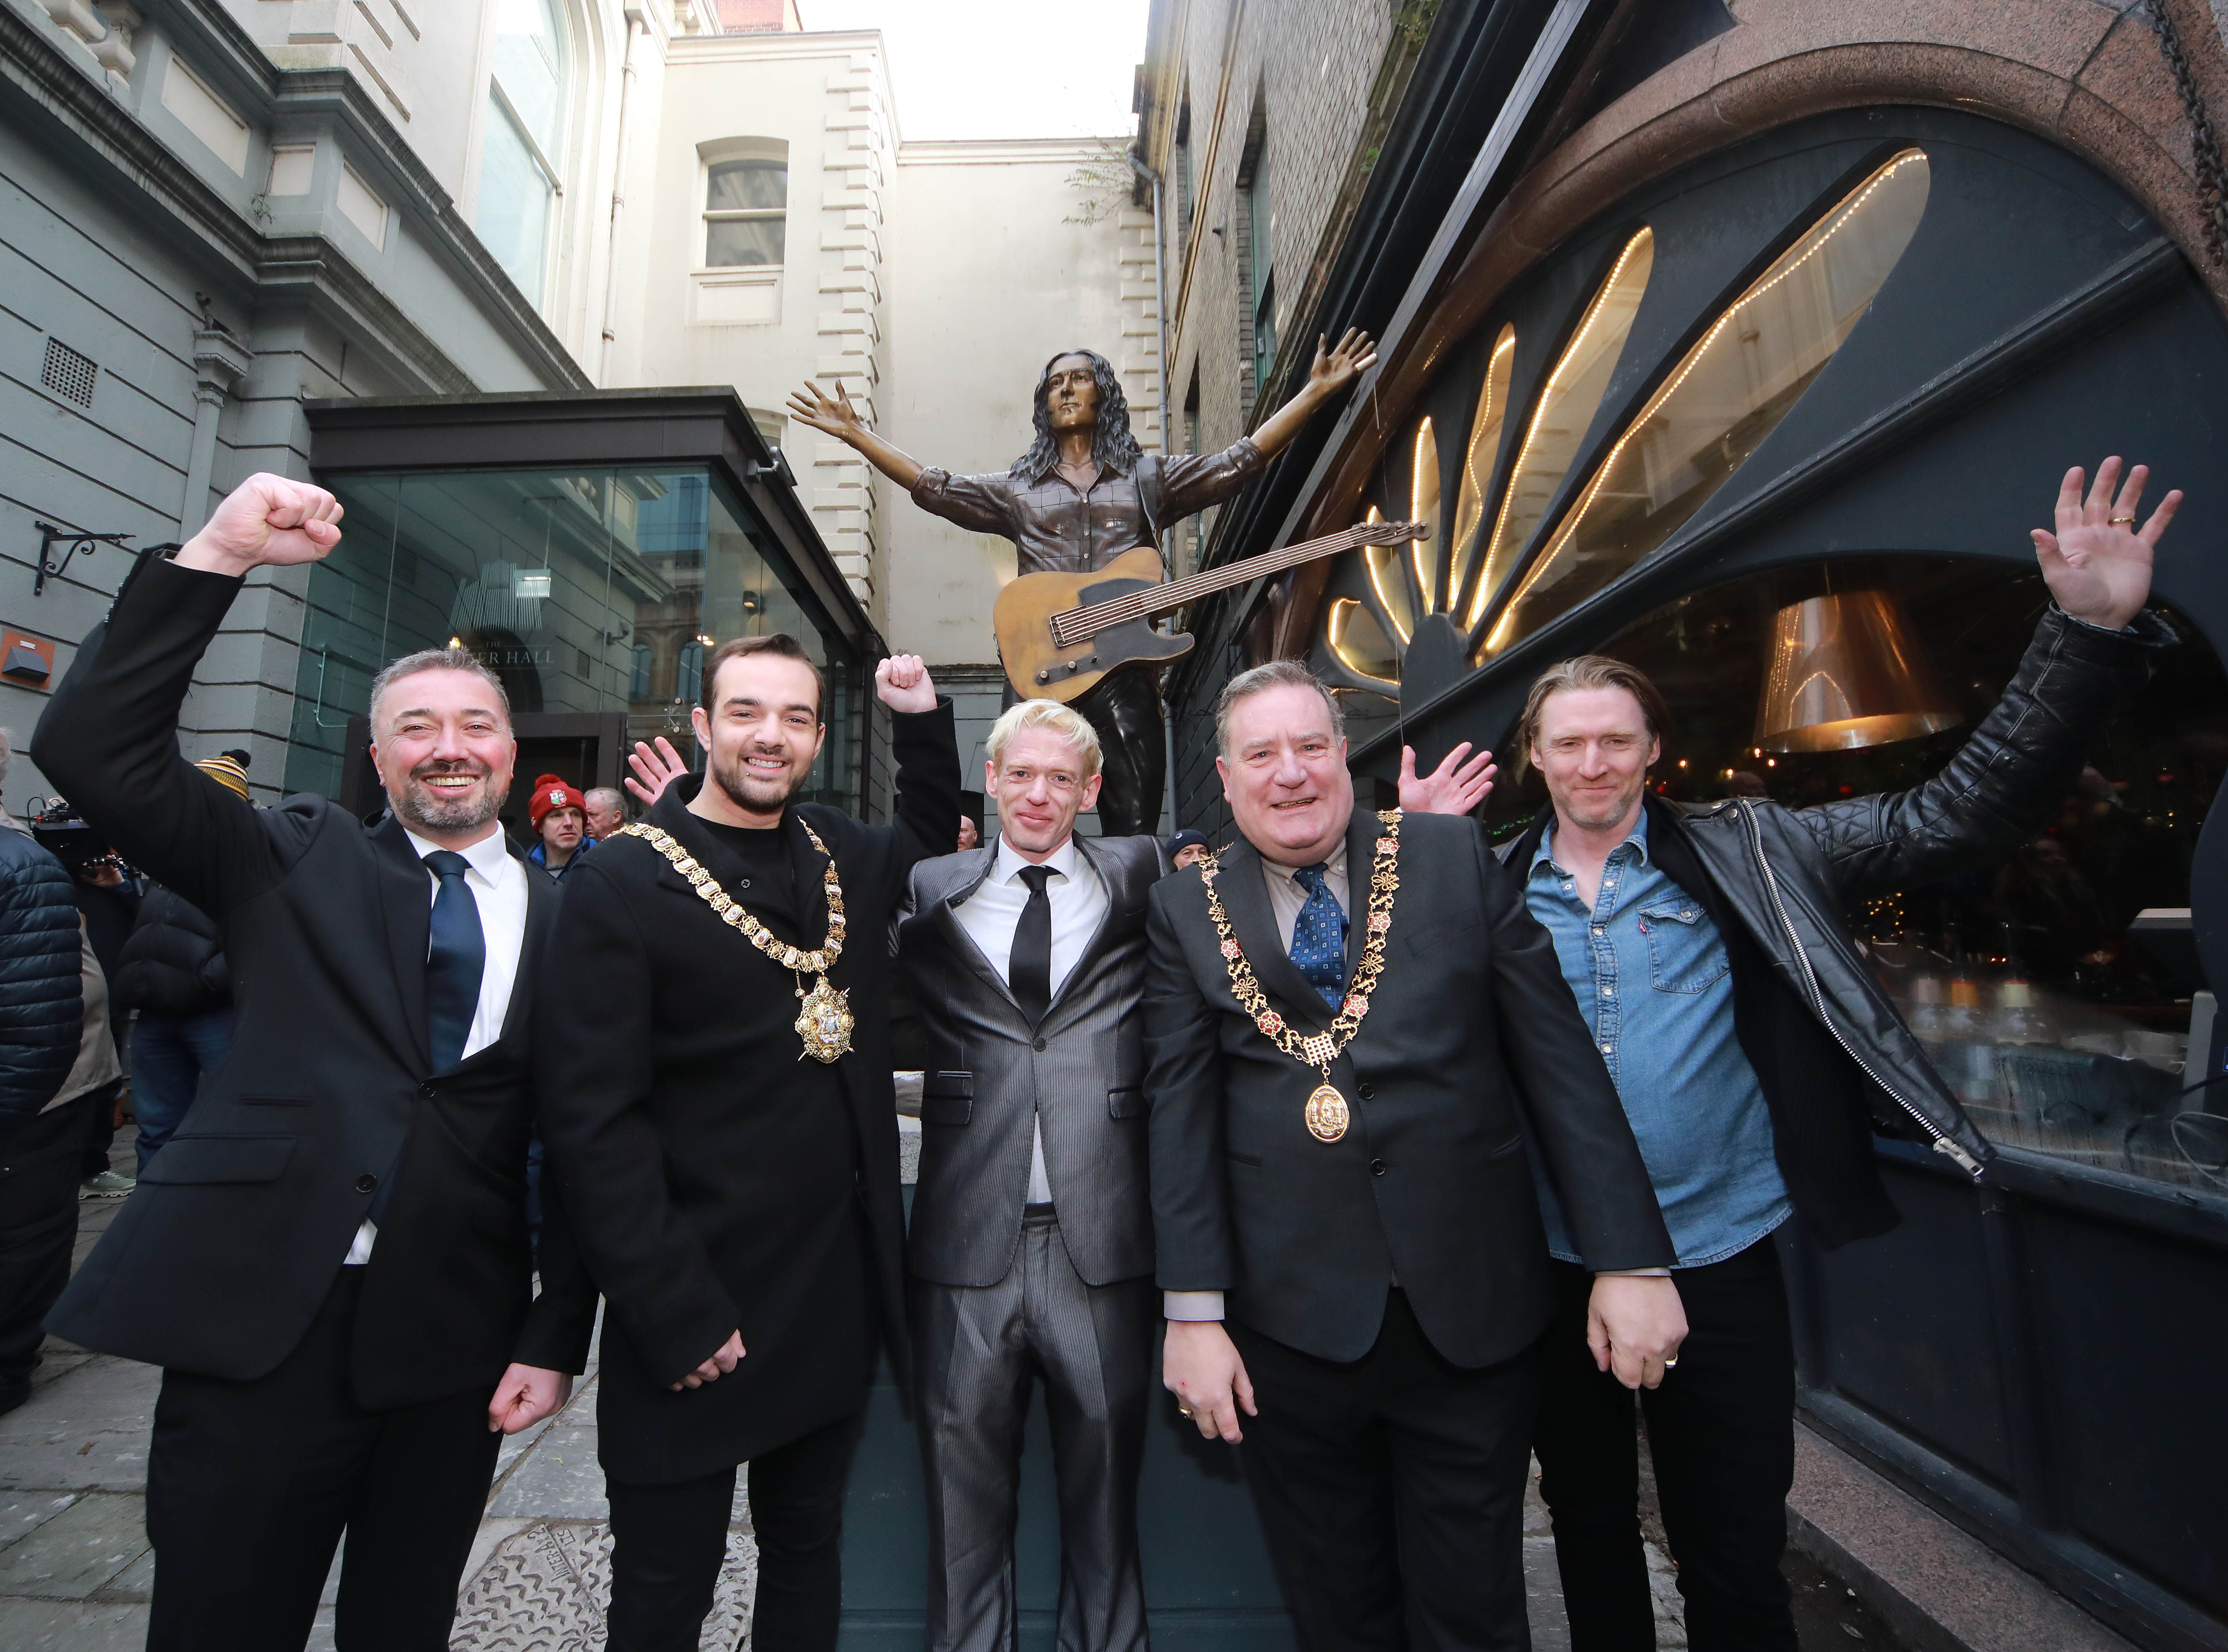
(990, 1072)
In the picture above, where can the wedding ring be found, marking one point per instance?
(1669, 1363)
(2116, 521)
(1183, 1410)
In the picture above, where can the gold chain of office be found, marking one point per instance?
(1328, 1115)
(823, 1016)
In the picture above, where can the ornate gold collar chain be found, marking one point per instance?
(1328, 1115)
(823, 1015)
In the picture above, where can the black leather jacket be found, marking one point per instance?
(1789, 874)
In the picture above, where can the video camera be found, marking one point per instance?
(70, 838)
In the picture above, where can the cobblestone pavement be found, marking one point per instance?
(75, 1570)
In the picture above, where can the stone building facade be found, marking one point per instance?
(222, 210)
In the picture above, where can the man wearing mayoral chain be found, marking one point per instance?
(1352, 1027)
(718, 1101)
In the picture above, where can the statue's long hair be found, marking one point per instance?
(1112, 446)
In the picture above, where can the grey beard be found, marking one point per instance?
(421, 807)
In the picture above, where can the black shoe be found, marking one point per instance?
(14, 1394)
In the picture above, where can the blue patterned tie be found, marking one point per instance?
(1319, 936)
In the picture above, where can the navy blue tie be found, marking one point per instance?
(455, 961)
(1319, 936)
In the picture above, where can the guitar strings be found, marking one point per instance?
(1078, 626)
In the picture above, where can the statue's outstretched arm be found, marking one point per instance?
(837, 417)
(1333, 371)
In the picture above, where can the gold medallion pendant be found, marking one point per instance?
(823, 1015)
(1327, 1114)
(824, 1021)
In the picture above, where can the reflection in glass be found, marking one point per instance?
(523, 139)
(584, 592)
(1478, 455)
(1360, 643)
(1727, 394)
(1567, 405)
(1424, 507)
(515, 201)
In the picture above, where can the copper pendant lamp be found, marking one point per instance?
(1845, 672)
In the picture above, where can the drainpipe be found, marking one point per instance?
(1167, 427)
(618, 201)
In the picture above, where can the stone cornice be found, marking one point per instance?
(1008, 151)
(337, 96)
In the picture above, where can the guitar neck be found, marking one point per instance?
(1081, 624)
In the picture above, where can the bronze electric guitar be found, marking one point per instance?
(1059, 634)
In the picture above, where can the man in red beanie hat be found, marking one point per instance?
(560, 815)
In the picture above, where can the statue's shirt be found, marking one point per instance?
(1060, 528)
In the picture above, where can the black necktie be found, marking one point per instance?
(1028, 970)
(454, 962)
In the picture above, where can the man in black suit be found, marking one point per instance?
(328, 1259)
(720, 1117)
(1352, 1027)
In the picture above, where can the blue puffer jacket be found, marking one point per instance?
(41, 997)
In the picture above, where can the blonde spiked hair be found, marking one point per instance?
(1071, 726)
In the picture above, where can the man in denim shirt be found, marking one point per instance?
(1754, 1056)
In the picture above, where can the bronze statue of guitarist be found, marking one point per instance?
(1085, 494)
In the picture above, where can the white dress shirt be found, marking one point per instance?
(1288, 897)
(498, 887)
(993, 912)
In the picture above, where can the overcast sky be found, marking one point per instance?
(1002, 68)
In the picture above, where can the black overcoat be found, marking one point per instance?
(718, 1180)
(239, 1227)
(1470, 1041)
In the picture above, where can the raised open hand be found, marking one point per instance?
(1455, 787)
(1334, 369)
(653, 771)
(2098, 564)
(266, 520)
(833, 415)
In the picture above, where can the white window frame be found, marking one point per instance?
(720, 152)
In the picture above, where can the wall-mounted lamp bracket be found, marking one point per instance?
(50, 535)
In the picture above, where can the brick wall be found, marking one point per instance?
(1305, 68)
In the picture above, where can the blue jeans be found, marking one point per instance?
(170, 1055)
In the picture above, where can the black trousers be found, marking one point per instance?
(38, 1228)
(251, 1484)
(1721, 1430)
(668, 1542)
(1391, 1490)
(100, 1129)
(1125, 710)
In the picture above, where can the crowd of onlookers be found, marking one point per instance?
(116, 998)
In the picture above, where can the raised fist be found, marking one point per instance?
(266, 520)
(901, 684)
